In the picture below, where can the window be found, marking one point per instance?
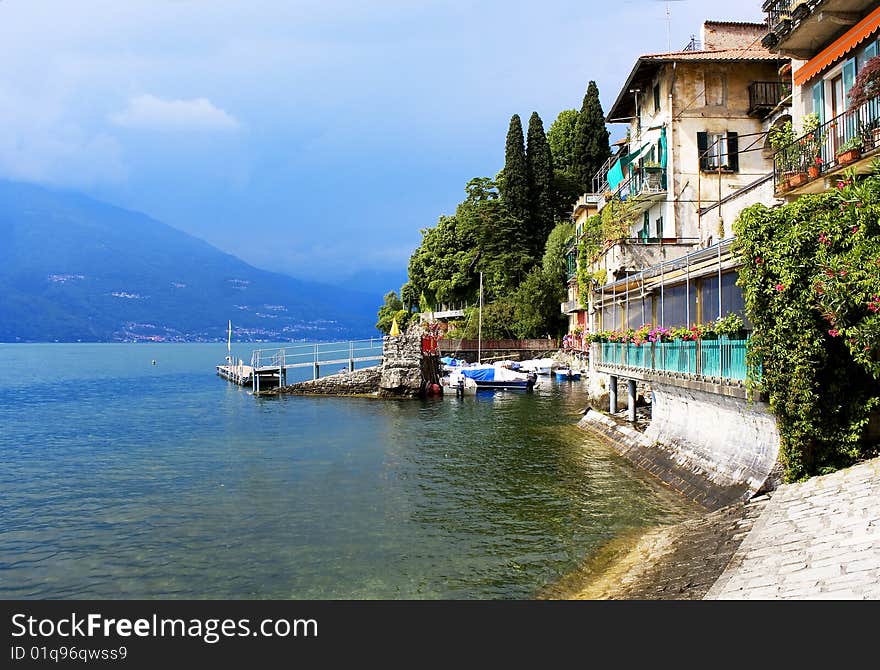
(658, 228)
(656, 97)
(718, 150)
(717, 153)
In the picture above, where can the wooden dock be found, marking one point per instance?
(268, 367)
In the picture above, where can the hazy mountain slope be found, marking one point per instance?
(77, 269)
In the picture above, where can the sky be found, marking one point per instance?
(310, 137)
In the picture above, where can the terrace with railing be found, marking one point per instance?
(765, 96)
(722, 359)
(847, 140)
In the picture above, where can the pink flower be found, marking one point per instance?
(843, 273)
(834, 332)
(855, 229)
(780, 287)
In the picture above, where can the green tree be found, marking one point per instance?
(591, 148)
(561, 137)
(539, 166)
(393, 308)
(555, 252)
(514, 185)
(566, 191)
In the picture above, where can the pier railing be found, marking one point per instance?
(317, 354)
(723, 358)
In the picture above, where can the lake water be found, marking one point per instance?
(121, 479)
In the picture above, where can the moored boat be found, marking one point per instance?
(496, 377)
(567, 374)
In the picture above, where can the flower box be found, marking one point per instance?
(849, 156)
(797, 179)
(813, 171)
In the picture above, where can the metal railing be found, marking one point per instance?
(815, 154)
(723, 358)
(765, 96)
(644, 181)
(321, 353)
(781, 11)
(600, 179)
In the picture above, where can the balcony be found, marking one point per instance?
(805, 165)
(802, 28)
(571, 306)
(722, 359)
(646, 186)
(765, 96)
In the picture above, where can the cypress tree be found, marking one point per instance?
(539, 165)
(514, 186)
(591, 139)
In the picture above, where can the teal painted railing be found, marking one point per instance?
(723, 358)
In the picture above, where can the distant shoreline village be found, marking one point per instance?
(716, 284)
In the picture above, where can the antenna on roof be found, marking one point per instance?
(668, 20)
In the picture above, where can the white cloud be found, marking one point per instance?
(152, 113)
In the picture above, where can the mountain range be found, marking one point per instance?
(76, 269)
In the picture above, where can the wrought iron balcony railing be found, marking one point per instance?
(765, 96)
(831, 146)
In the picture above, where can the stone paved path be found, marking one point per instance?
(816, 539)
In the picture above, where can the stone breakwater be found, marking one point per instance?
(404, 373)
(358, 383)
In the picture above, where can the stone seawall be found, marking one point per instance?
(714, 449)
(359, 382)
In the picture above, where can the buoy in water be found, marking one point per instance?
(154, 361)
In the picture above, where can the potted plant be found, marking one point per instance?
(814, 170)
(866, 85)
(849, 151)
(797, 179)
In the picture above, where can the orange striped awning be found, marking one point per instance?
(838, 48)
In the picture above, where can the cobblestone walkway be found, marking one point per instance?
(816, 539)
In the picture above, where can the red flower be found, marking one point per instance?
(855, 229)
(834, 332)
(843, 273)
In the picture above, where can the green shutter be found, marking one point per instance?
(733, 151)
(849, 76)
(819, 100)
(702, 148)
(870, 51)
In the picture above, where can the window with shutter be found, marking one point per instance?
(733, 151)
(702, 149)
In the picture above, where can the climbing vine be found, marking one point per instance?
(600, 231)
(811, 281)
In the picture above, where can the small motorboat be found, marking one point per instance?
(567, 374)
(496, 377)
(457, 385)
(540, 366)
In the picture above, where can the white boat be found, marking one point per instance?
(456, 384)
(499, 377)
(540, 366)
(567, 374)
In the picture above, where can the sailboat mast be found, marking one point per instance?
(229, 339)
(480, 324)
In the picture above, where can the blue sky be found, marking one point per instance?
(310, 137)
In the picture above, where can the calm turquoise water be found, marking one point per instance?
(121, 479)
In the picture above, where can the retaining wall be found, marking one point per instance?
(714, 449)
